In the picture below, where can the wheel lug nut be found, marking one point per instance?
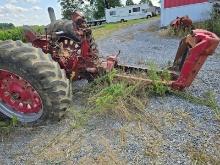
(20, 105)
(28, 106)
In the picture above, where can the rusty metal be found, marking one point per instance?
(191, 55)
(181, 23)
(74, 50)
(78, 55)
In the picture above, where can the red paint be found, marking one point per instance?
(207, 42)
(18, 94)
(175, 3)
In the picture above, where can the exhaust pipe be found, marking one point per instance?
(51, 14)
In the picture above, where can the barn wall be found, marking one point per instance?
(197, 11)
(175, 3)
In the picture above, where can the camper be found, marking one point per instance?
(127, 13)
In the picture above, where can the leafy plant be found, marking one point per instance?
(158, 87)
(8, 125)
(17, 33)
(13, 34)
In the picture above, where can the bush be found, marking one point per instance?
(17, 33)
(213, 24)
(13, 34)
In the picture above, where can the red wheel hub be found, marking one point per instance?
(18, 94)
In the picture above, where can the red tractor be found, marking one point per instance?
(35, 78)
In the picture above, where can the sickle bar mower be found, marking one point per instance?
(80, 59)
(30, 78)
(191, 55)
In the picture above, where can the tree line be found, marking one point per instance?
(6, 26)
(93, 9)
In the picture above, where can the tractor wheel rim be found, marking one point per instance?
(18, 98)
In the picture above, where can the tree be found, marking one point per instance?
(68, 6)
(6, 26)
(149, 2)
(129, 2)
(96, 8)
(100, 6)
(88, 12)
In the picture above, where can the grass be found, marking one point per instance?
(208, 100)
(199, 156)
(106, 29)
(7, 125)
(157, 86)
(127, 101)
(116, 99)
(98, 32)
(169, 32)
(121, 99)
(213, 25)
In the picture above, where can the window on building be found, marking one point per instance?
(129, 11)
(112, 12)
(144, 10)
(136, 9)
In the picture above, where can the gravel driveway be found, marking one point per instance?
(178, 132)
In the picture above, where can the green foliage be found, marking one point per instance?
(38, 29)
(100, 5)
(106, 29)
(88, 12)
(6, 26)
(68, 6)
(146, 1)
(13, 34)
(179, 32)
(111, 94)
(17, 33)
(158, 87)
(99, 9)
(213, 24)
(7, 126)
(129, 2)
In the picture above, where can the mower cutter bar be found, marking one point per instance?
(191, 55)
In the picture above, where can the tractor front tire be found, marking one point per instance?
(45, 77)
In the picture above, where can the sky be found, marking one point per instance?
(30, 12)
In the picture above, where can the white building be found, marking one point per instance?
(197, 10)
(127, 13)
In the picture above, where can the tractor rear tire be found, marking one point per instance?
(43, 74)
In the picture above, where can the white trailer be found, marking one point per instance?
(127, 13)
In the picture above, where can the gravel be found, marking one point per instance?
(138, 46)
(178, 132)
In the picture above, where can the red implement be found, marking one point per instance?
(198, 47)
(191, 55)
